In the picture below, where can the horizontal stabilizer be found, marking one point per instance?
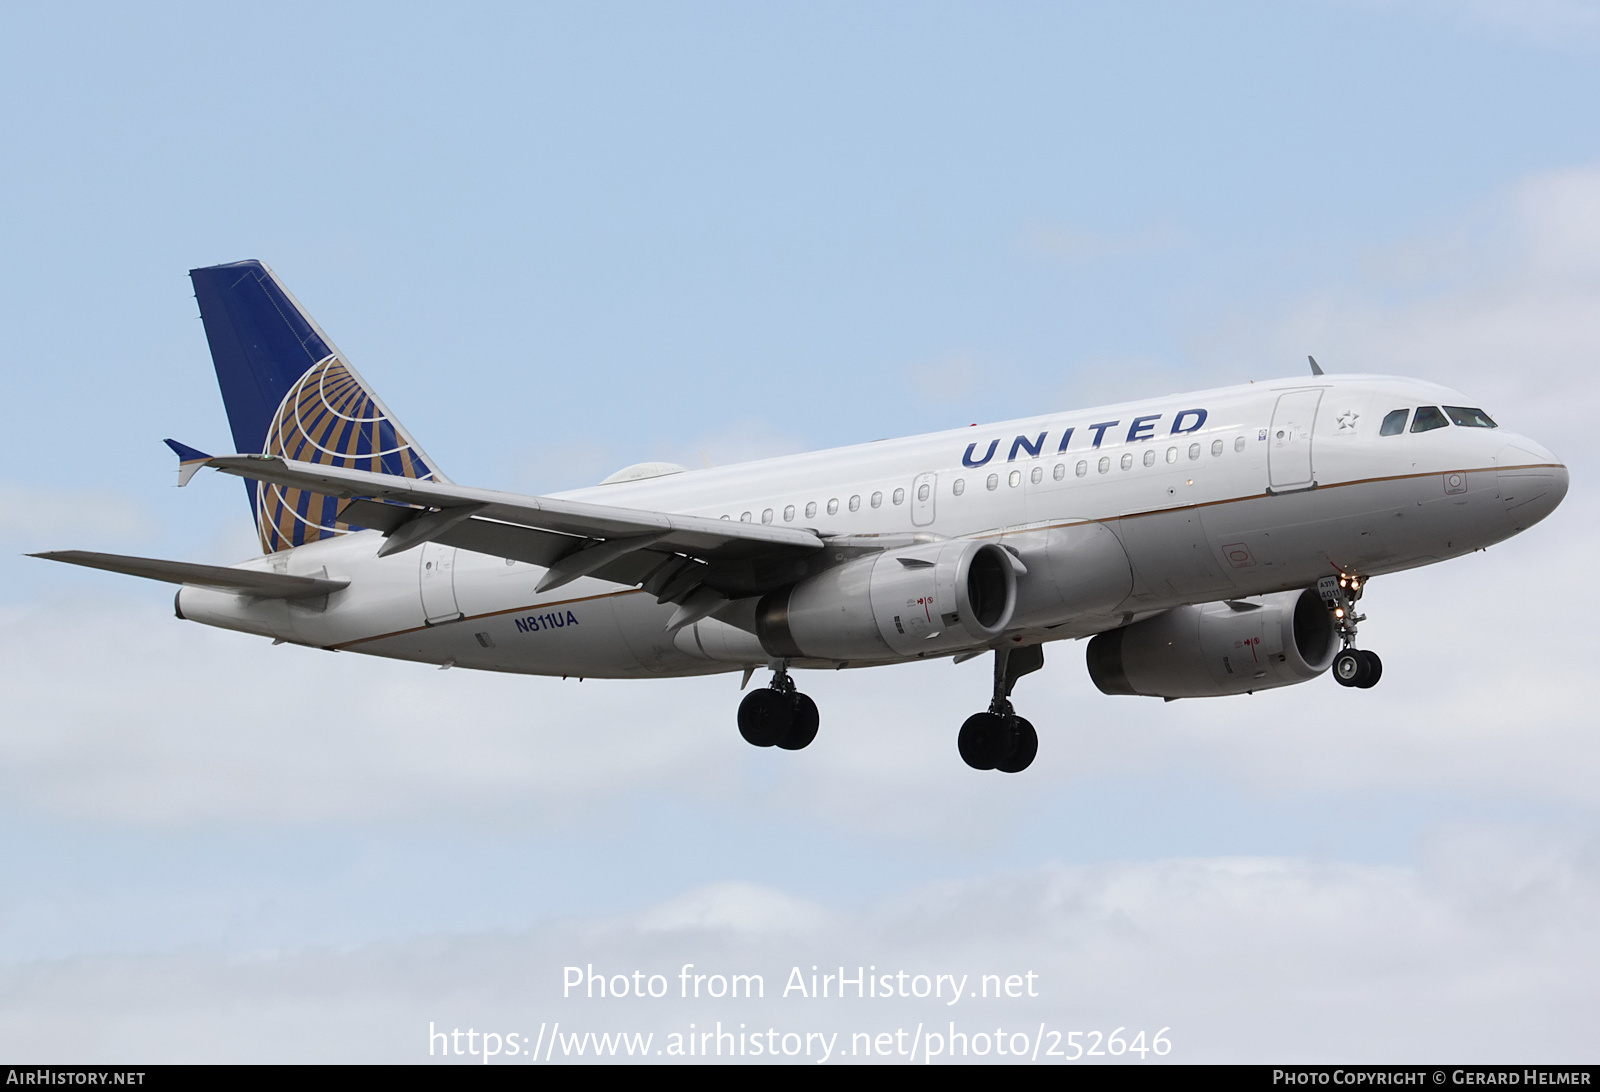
(263, 585)
(189, 460)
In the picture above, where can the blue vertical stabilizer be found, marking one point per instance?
(289, 392)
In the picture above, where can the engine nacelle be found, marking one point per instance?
(912, 601)
(1206, 651)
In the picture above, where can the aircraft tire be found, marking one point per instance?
(804, 727)
(765, 716)
(986, 740)
(1027, 749)
(1350, 668)
(1374, 671)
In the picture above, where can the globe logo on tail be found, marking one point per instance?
(331, 418)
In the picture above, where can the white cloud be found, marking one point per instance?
(1485, 953)
(734, 906)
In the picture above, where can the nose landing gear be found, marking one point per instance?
(999, 739)
(778, 715)
(1352, 666)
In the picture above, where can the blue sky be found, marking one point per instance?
(560, 239)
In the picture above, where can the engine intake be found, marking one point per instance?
(1231, 647)
(911, 601)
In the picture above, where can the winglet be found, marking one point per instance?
(1316, 369)
(189, 461)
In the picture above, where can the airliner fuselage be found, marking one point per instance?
(1116, 513)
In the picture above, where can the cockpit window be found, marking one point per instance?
(1394, 423)
(1470, 418)
(1428, 417)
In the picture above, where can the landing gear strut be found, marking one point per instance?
(999, 739)
(778, 715)
(1352, 666)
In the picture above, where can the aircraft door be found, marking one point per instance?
(924, 490)
(1289, 464)
(437, 574)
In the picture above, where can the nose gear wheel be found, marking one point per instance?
(1352, 666)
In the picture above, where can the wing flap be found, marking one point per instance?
(526, 544)
(263, 585)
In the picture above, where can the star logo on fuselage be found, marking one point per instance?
(1348, 419)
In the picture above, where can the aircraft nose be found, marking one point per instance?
(1532, 482)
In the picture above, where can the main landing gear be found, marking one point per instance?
(778, 715)
(1352, 666)
(999, 739)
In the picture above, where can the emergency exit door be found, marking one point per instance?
(438, 582)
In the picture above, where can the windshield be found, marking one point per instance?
(1470, 418)
(1428, 417)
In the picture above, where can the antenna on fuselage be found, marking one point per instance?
(1316, 369)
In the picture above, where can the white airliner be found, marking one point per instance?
(1210, 543)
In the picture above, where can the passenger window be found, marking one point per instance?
(1395, 423)
(959, 487)
(922, 491)
(855, 503)
(1150, 456)
(1172, 454)
(1238, 443)
(811, 509)
(1083, 467)
(1060, 471)
(1194, 451)
(1105, 463)
(1037, 476)
(1216, 448)
(1015, 479)
(1470, 418)
(744, 518)
(899, 496)
(766, 516)
(877, 500)
(833, 506)
(788, 514)
(1127, 460)
(993, 483)
(1427, 419)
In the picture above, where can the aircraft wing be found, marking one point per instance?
(697, 536)
(570, 538)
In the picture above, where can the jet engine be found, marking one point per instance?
(1231, 647)
(910, 601)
